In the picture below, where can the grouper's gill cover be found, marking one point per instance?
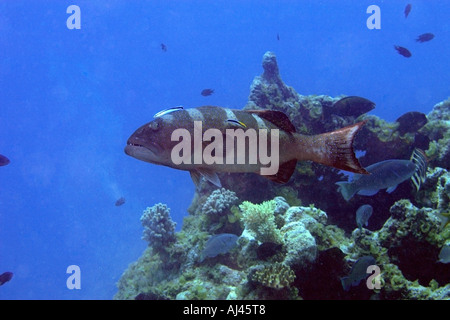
(153, 142)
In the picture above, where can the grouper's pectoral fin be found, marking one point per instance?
(209, 175)
(284, 173)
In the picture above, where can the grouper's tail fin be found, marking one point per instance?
(334, 149)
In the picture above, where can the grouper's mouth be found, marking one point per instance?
(141, 152)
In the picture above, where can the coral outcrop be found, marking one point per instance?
(159, 229)
(299, 239)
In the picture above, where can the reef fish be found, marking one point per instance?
(120, 201)
(363, 214)
(163, 47)
(3, 160)
(407, 10)
(352, 106)
(207, 92)
(411, 122)
(5, 277)
(403, 51)
(425, 37)
(387, 174)
(202, 141)
(444, 255)
(218, 244)
(358, 272)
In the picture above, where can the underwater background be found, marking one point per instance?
(70, 98)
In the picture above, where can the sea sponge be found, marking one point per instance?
(159, 229)
(277, 275)
(259, 219)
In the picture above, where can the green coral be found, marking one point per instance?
(277, 276)
(259, 219)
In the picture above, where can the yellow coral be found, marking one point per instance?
(277, 276)
(260, 220)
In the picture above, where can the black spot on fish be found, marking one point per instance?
(3, 160)
(352, 106)
(5, 277)
(120, 201)
(425, 37)
(267, 250)
(163, 47)
(207, 92)
(407, 10)
(403, 51)
(411, 122)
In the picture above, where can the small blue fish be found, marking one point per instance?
(3, 160)
(407, 10)
(425, 37)
(120, 201)
(363, 214)
(358, 272)
(166, 111)
(5, 277)
(218, 244)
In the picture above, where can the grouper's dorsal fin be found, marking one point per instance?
(284, 172)
(278, 118)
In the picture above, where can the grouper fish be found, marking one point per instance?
(387, 174)
(208, 139)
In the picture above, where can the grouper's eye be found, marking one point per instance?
(155, 125)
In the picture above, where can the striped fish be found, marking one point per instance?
(180, 138)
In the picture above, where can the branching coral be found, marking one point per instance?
(159, 229)
(277, 276)
(219, 201)
(259, 219)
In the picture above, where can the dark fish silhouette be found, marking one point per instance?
(352, 106)
(387, 174)
(278, 36)
(5, 277)
(120, 201)
(163, 47)
(411, 122)
(207, 92)
(218, 244)
(363, 214)
(3, 160)
(425, 37)
(407, 10)
(358, 272)
(403, 51)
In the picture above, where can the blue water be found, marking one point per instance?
(69, 99)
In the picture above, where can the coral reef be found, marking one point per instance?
(296, 241)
